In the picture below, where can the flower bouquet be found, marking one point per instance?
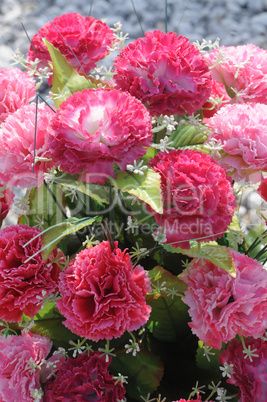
(127, 275)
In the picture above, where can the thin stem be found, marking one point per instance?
(138, 18)
(166, 16)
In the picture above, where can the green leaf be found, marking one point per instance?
(66, 79)
(217, 255)
(203, 363)
(169, 316)
(53, 235)
(144, 372)
(98, 192)
(49, 322)
(146, 187)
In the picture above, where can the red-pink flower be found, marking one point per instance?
(262, 189)
(166, 72)
(17, 88)
(242, 129)
(25, 284)
(96, 128)
(20, 359)
(198, 199)
(242, 68)
(221, 306)
(217, 99)
(6, 199)
(17, 143)
(85, 378)
(102, 294)
(82, 40)
(248, 373)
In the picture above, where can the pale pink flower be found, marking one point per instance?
(221, 306)
(198, 199)
(20, 360)
(96, 128)
(17, 88)
(166, 72)
(242, 129)
(249, 374)
(102, 294)
(25, 284)
(17, 142)
(82, 40)
(243, 68)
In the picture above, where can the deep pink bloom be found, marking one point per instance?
(19, 358)
(17, 146)
(242, 129)
(85, 378)
(166, 72)
(82, 40)
(17, 88)
(222, 306)
(6, 199)
(198, 199)
(244, 68)
(262, 189)
(96, 128)
(24, 285)
(218, 98)
(102, 294)
(249, 375)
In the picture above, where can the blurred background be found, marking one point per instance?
(235, 22)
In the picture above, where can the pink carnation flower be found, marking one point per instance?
(6, 199)
(222, 306)
(166, 72)
(244, 69)
(218, 98)
(17, 146)
(262, 189)
(20, 357)
(24, 285)
(249, 374)
(242, 129)
(102, 294)
(95, 129)
(16, 89)
(85, 378)
(82, 40)
(198, 199)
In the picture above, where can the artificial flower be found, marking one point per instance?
(166, 72)
(6, 199)
(221, 306)
(85, 378)
(262, 189)
(82, 40)
(25, 284)
(20, 360)
(22, 144)
(96, 128)
(249, 373)
(102, 294)
(17, 88)
(198, 199)
(242, 130)
(242, 69)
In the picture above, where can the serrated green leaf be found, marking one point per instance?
(66, 79)
(161, 278)
(213, 252)
(144, 372)
(146, 187)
